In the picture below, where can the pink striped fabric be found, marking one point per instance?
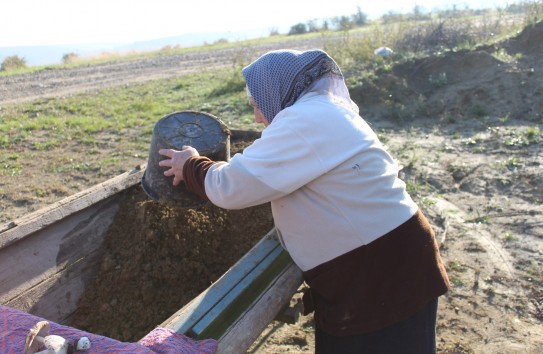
(15, 324)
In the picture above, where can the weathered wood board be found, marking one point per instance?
(240, 304)
(48, 257)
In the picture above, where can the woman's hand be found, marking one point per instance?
(176, 161)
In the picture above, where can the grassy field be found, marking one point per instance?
(121, 116)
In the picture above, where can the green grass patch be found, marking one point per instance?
(10, 166)
(101, 129)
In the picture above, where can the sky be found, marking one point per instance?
(56, 22)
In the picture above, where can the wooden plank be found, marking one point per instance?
(38, 251)
(185, 318)
(222, 287)
(240, 335)
(28, 224)
(246, 328)
(57, 297)
(43, 273)
(226, 311)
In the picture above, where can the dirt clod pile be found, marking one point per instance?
(156, 258)
(502, 80)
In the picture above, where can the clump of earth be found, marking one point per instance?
(157, 257)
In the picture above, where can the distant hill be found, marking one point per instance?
(52, 54)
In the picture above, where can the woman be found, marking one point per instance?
(368, 254)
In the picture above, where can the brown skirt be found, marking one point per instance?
(379, 284)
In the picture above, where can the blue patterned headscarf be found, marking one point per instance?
(276, 79)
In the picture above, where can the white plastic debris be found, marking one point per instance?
(38, 340)
(385, 52)
(83, 343)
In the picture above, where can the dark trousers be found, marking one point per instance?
(415, 335)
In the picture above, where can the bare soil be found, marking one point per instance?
(469, 143)
(156, 258)
(65, 81)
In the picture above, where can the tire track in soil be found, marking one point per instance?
(496, 255)
(64, 81)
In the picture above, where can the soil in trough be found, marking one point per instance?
(156, 258)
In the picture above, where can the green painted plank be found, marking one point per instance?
(223, 286)
(226, 312)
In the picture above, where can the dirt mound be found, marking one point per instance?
(527, 42)
(454, 68)
(157, 258)
(465, 84)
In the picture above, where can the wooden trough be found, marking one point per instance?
(49, 257)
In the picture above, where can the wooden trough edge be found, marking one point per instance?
(239, 333)
(243, 333)
(26, 225)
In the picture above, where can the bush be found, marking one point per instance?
(274, 31)
(343, 23)
(13, 62)
(360, 18)
(300, 28)
(69, 58)
(392, 17)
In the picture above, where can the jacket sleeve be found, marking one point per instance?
(194, 174)
(230, 185)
